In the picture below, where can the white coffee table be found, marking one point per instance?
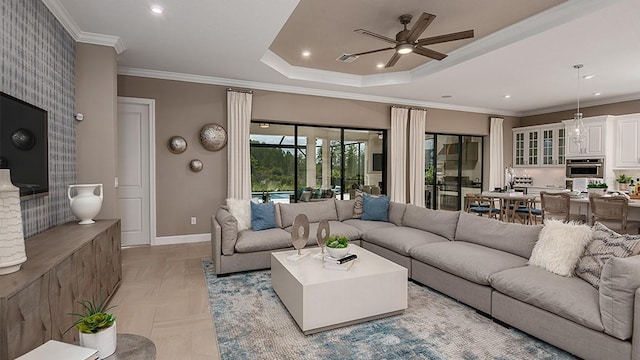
(320, 299)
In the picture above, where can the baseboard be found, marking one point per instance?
(181, 239)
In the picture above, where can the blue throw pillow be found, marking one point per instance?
(263, 216)
(375, 208)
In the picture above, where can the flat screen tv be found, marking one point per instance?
(23, 145)
(377, 162)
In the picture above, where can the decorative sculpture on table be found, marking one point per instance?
(321, 237)
(299, 236)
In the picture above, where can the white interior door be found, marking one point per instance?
(135, 124)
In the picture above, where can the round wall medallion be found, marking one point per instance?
(177, 144)
(213, 137)
(23, 139)
(195, 165)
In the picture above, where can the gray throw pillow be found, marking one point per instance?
(606, 244)
(358, 208)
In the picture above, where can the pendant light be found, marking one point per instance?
(579, 136)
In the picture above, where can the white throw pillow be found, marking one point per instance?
(560, 246)
(241, 210)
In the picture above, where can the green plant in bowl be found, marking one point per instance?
(337, 245)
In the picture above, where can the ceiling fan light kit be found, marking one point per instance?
(407, 41)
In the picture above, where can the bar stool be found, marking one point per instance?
(612, 211)
(558, 206)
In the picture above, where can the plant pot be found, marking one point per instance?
(104, 341)
(623, 187)
(597, 191)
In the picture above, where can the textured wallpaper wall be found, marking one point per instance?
(37, 58)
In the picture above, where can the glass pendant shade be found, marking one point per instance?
(579, 136)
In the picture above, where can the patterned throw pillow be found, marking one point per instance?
(357, 207)
(605, 245)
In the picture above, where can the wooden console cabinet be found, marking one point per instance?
(65, 264)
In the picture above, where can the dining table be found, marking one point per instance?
(510, 202)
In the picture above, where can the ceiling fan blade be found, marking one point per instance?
(394, 59)
(420, 26)
(429, 53)
(445, 38)
(377, 36)
(372, 51)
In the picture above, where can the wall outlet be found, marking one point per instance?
(193, 220)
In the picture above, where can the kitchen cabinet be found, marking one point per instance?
(542, 145)
(594, 145)
(627, 148)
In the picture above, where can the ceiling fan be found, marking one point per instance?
(407, 41)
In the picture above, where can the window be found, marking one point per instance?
(291, 163)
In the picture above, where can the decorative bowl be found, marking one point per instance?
(338, 252)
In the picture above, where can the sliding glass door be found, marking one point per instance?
(453, 169)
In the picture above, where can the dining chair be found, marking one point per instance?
(483, 205)
(528, 213)
(612, 211)
(558, 206)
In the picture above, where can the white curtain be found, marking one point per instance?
(417, 125)
(496, 153)
(238, 128)
(398, 145)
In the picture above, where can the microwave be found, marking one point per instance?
(585, 168)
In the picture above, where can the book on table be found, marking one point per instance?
(342, 260)
(56, 350)
(343, 267)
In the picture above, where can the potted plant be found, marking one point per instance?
(97, 327)
(337, 246)
(623, 182)
(597, 188)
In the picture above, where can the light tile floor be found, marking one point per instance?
(163, 296)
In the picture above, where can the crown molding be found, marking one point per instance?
(164, 75)
(58, 10)
(583, 104)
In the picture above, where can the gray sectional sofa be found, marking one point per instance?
(479, 261)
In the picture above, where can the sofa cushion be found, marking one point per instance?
(606, 244)
(335, 228)
(375, 208)
(396, 212)
(345, 209)
(569, 297)
(559, 246)
(263, 216)
(357, 205)
(619, 281)
(315, 211)
(401, 239)
(469, 261)
(365, 225)
(513, 238)
(228, 231)
(439, 222)
(270, 239)
(241, 210)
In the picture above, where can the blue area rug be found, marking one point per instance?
(252, 323)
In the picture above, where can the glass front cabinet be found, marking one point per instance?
(542, 145)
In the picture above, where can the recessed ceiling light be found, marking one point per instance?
(157, 9)
(306, 53)
(380, 65)
(507, 96)
(596, 94)
(587, 77)
(446, 96)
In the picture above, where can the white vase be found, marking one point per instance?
(104, 341)
(12, 252)
(85, 205)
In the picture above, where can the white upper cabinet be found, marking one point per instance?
(542, 145)
(627, 148)
(595, 141)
